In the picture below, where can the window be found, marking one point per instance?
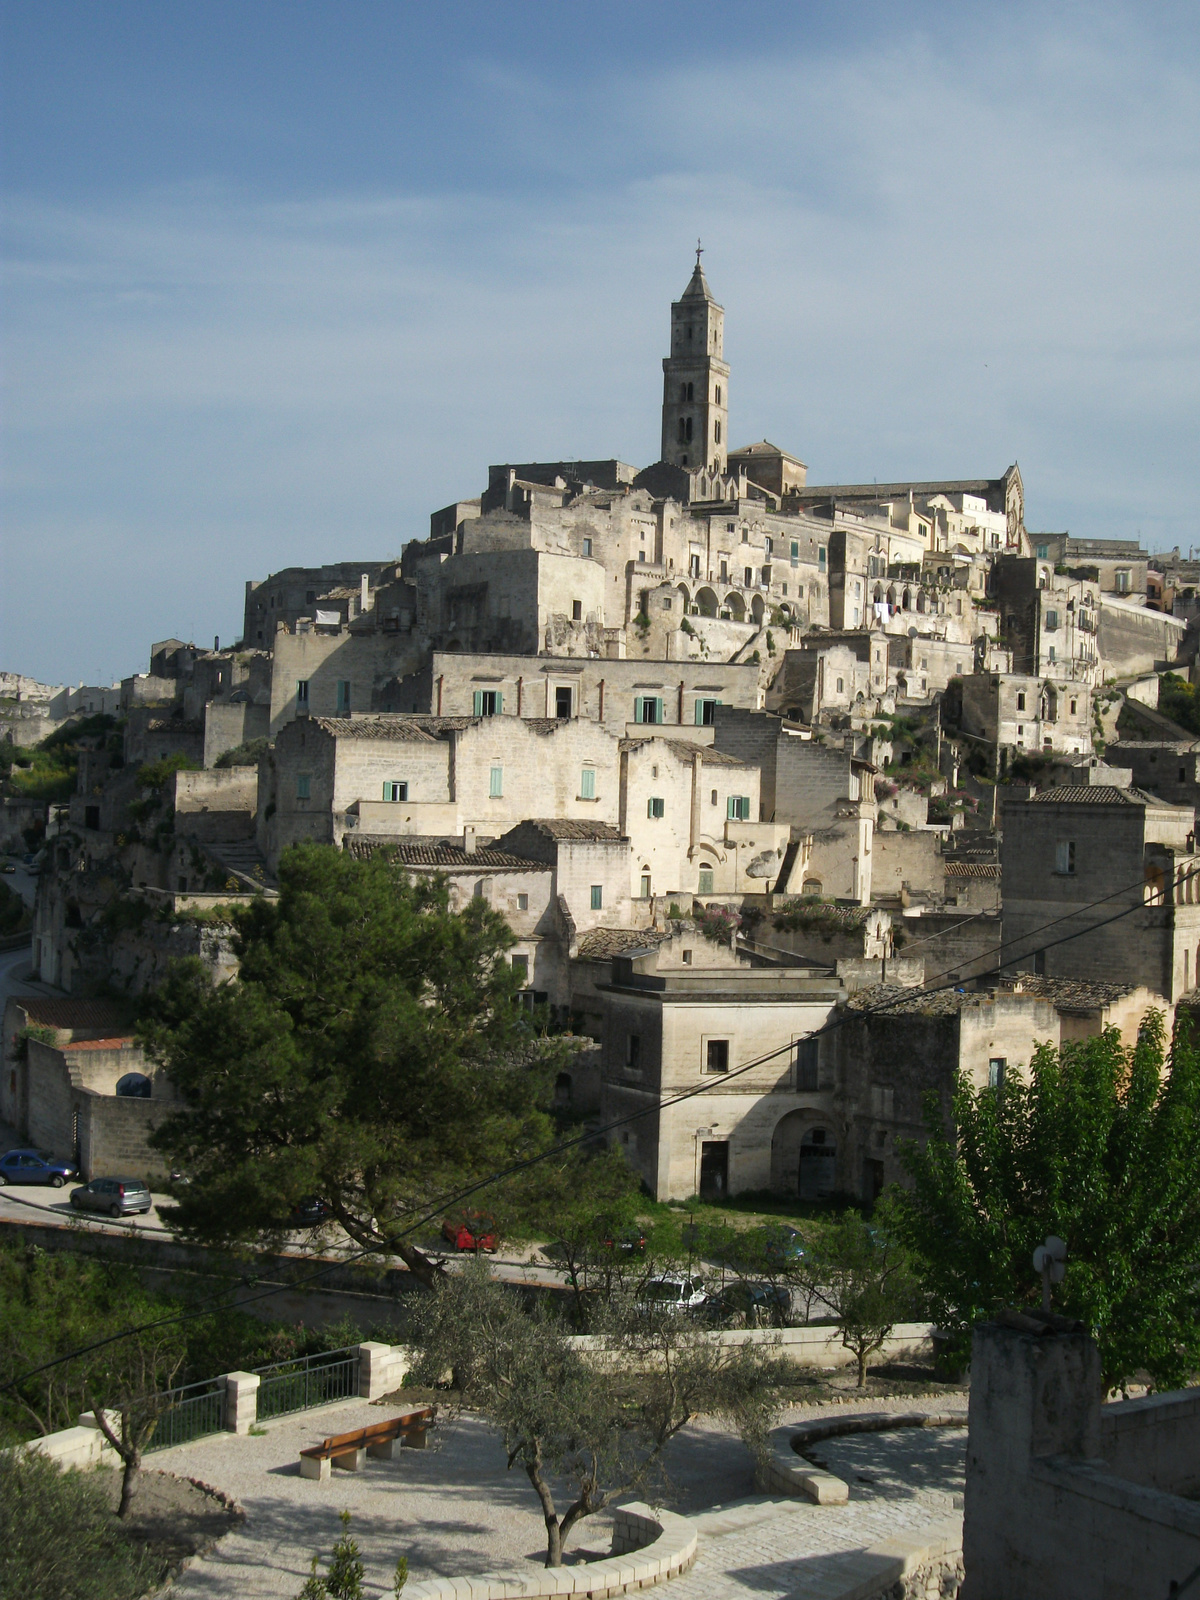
(795, 555)
(718, 394)
(395, 791)
(716, 433)
(737, 808)
(633, 1052)
(641, 557)
(1020, 702)
(597, 897)
(745, 535)
(496, 783)
(587, 784)
(724, 571)
(343, 697)
(769, 545)
(645, 886)
(654, 807)
(883, 1101)
(996, 1068)
(1064, 856)
(1052, 657)
(303, 786)
(520, 965)
(766, 576)
(522, 902)
(1073, 704)
(687, 958)
(1051, 621)
(1123, 580)
(821, 557)
(302, 692)
(1043, 552)
(693, 566)
(587, 547)
(807, 1063)
(310, 596)
(489, 702)
(706, 713)
(748, 577)
(647, 708)
(714, 797)
(705, 885)
(576, 610)
(716, 1055)
(841, 685)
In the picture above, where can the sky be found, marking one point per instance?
(281, 279)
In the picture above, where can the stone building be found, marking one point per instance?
(1116, 566)
(687, 1013)
(396, 775)
(1019, 711)
(328, 595)
(815, 789)
(1116, 870)
(895, 1046)
(1050, 622)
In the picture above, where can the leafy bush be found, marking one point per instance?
(156, 773)
(244, 755)
(59, 1539)
(1177, 700)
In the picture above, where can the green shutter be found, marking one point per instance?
(658, 710)
(587, 783)
(499, 702)
(699, 713)
(479, 702)
(731, 810)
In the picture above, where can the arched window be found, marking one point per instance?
(717, 432)
(134, 1086)
(718, 394)
(682, 392)
(689, 428)
(691, 391)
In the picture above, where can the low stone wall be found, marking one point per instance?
(1153, 1441)
(786, 1471)
(819, 1346)
(649, 1547)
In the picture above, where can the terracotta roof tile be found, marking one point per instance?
(439, 854)
(65, 1013)
(573, 828)
(601, 944)
(972, 869)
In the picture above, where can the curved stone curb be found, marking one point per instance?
(648, 1548)
(787, 1472)
(884, 1565)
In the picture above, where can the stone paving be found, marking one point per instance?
(454, 1508)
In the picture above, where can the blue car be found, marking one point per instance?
(36, 1166)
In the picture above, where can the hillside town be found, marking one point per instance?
(733, 753)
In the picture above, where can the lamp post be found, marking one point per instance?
(1050, 1260)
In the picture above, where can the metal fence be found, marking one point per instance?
(191, 1412)
(307, 1381)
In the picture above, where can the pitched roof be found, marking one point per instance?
(1098, 794)
(55, 1013)
(1068, 993)
(441, 854)
(601, 944)
(570, 828)
(387, 728)
(972, 869)
(697, 288)
(685, 750)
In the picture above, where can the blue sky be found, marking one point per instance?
(282, 278)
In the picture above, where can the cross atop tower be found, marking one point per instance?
(699, 251)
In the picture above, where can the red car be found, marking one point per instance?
(472, 1231)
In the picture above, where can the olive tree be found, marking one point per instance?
(598, 1419)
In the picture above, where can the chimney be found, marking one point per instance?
(216, 641)
(469, 841)
(363, 588)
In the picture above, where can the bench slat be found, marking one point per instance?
(344, 1443)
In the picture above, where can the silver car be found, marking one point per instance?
(119, 1197)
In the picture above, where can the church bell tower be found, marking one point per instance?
(696, 381)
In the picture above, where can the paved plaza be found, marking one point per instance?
(455, 1509)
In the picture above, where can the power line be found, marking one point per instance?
(448, 1201)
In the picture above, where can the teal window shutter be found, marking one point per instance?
(731, 808)
(638, 708)
(699, 713)
(499, 702)
(496, 783)
(587, 783)
(658, 710)
(479, 702)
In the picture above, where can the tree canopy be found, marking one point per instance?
(370, 1054)
(1099, 1144)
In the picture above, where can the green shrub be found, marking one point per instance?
(156, 773)
(60, 1540)
(244, 755)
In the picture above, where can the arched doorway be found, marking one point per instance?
(736, 605)
(818, 1164)
(756, 609)
(707, 601)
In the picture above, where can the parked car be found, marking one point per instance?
(309, 1213)
(36, 1166)
(783, 1243)
(749, 1305)
(120, 1197)
(625, 1241)
(8, 867)
(472, 1231)
(673, 1291)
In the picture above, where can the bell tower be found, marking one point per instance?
(696, 381)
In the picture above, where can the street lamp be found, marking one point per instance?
(1050, 1260)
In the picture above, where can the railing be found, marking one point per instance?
(308, 1381)
(191, 1412)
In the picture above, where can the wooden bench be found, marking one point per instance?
(349, 1451)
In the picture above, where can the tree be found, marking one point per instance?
(59, 1538)
(1100, 1145)
(598, 1420)
(137, 1371)
(866, 1281)
(370, 1053)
